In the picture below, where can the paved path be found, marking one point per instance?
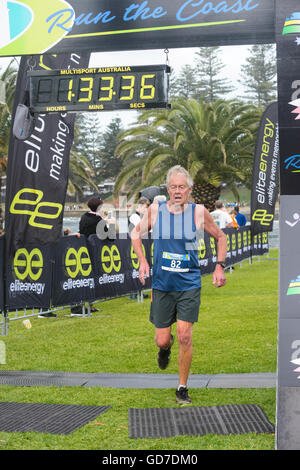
(141, 381)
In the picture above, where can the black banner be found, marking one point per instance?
(116, 266)
(29, 278)
(265, 173)
(288, 71)
(166, 23)
(38, 168)
(105, 25)
(74, 279)
(288, 356)
(287, 30)
(239, 247)
(78, 270)
(2, 301)
(289, 90)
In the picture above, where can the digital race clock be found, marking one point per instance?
(99, 89)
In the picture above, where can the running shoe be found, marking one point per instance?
(163, 357)
(182, 396)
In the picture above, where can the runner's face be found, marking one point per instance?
(178, 189)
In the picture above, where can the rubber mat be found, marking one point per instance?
(45, 417)
(191, 421)
(40, 378)
(84, 379)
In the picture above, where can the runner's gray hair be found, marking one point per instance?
(181, 171)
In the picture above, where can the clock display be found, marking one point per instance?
(99, 89)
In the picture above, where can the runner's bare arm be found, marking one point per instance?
(210, 227)
(137, 233)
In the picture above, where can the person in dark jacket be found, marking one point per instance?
(89, 221)
(88, 226)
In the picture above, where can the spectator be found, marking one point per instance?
(221, 216)
(88, 226)
(233, 214)
(160, 198)
(89, 220)
(111, 221)
(135, 217)
(240, 218)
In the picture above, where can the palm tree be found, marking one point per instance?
(80, 172)
(80, 166)
(209, 139)
(8, 80)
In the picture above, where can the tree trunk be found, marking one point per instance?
(206, 194)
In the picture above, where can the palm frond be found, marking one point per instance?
(214, 141)
(127, 173)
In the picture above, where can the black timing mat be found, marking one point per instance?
(45, 417)
(191, 421)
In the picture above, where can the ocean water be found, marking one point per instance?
(73, 224)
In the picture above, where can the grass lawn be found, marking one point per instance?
(236, 333)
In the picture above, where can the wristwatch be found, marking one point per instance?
(222, 263)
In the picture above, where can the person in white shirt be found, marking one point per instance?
(142, 207)
(221, 216)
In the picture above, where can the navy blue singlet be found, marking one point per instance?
(175, 253)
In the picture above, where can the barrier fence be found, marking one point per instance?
(80, 271)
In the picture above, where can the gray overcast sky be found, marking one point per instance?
(232, 57)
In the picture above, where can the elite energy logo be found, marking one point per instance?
(28, 268)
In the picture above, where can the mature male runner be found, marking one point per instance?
(176, 278)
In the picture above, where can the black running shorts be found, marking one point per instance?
(167, 307)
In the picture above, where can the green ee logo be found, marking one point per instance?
(28, 264)
(78, 262)
(111, 259)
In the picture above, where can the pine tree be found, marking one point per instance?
(208, 66)
(87, 139)
(84, 153)
(259, 75)
(108, 165)
(185, 84)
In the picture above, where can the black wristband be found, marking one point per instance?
(222, 263)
